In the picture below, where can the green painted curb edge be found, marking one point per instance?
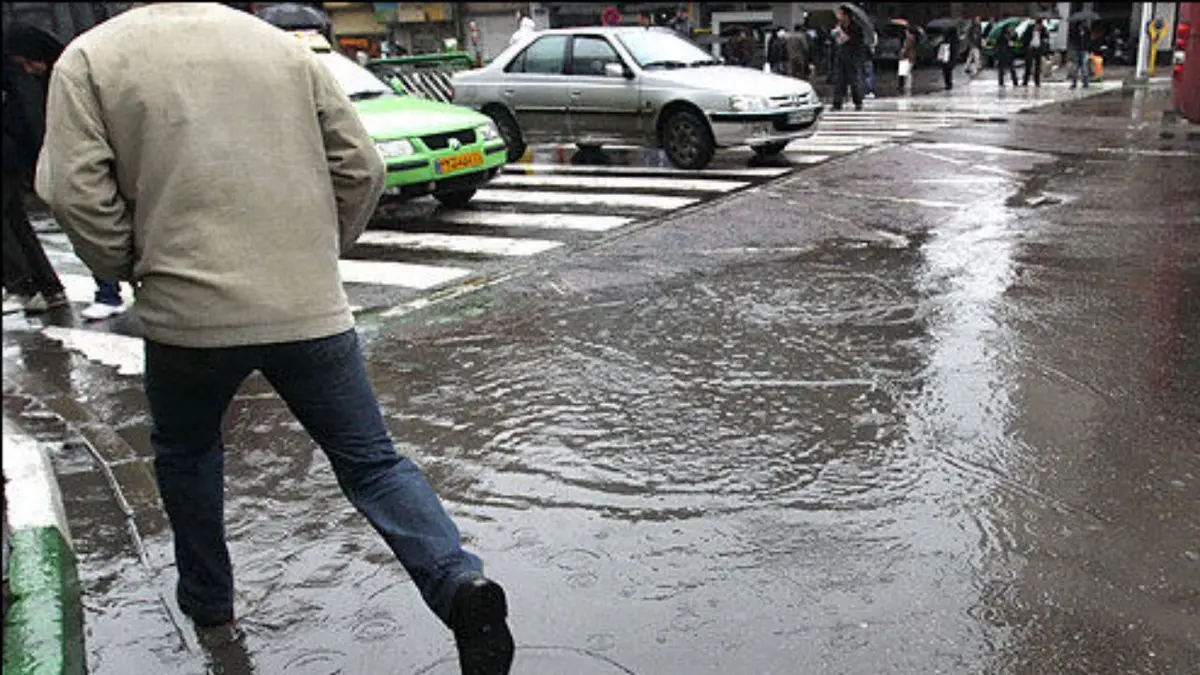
(43, 622)
(43, 629)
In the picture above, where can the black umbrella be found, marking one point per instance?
(863, 20)
(1083, 15)
(293, 16)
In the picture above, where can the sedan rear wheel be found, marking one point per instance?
(687, 140)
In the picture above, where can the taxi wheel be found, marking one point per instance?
(510, 132)
(687, 140)
(770, 149)
(456, 199)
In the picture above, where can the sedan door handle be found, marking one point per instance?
(508, 92)
(576, 94)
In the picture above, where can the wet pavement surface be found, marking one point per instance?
(934, 407)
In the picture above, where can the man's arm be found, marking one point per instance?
(355, 166)
(75, 175)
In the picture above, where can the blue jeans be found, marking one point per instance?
(324, 384)
(868, 75)
(1082, 68)
(108, 292)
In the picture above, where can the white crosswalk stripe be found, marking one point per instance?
(407, 262)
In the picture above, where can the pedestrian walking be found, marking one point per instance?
(107, 301)
(235, 267)
(1079, 45)
(974, 48)
(777, 52)
(1036, 40)
(868, 68)
(851, 50)
(908, 59)
(29, 55)
(799, 53)
(946, 53)
(1004, 55)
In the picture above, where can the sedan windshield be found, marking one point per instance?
(358, 82)
(661, 49)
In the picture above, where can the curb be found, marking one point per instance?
(43, 622)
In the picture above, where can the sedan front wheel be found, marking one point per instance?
(687, 139)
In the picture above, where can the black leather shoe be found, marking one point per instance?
(205, 617)
(478, 619)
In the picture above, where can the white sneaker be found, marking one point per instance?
(99, 311)
(870, 94)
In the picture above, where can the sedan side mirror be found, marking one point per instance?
(617, 70)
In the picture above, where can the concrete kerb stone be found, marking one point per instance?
(43, 625)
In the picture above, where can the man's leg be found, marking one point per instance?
(41, 274)
(1037, 71)
(840, 84)
(854, 75)
(189, 390)
(107, 292)
(324, 383)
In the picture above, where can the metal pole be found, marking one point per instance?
(1143, 53)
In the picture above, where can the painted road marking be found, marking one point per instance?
(760, 172)
(974, 147)
(458, 243)
(31, 497)
(406, 275)
(548, 221)
(802, 158)
(611, 199)
(122, 352)
(621, 182)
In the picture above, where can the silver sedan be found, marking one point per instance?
(649, 87)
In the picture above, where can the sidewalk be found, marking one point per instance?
(43, 626)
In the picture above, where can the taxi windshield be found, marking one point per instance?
(358, 82)
(664, 49)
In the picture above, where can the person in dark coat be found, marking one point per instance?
(777, 53)
(1079, 44)
(1037, 43)
(29, 54)
(851, 49)
(1004, 55)
(799, 51)
(951, 39)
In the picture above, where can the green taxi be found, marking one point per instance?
(429, 147)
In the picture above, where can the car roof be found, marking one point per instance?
(604, 30)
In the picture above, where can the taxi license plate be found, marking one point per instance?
(458, 162)
(800, 117)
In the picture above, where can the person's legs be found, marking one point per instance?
(1029, 60)
(107, 292)
(39, 272)
(1037, 71)
(853, 73)
(188, 391)
(1000, 70)
(324, 383)
(840, 83)
(107, 301)
(1085, 65)
(948, 75)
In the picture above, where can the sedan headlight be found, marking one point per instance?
(488, 132)
(394, 149)
(740, 103)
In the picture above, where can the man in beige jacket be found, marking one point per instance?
(210, 159)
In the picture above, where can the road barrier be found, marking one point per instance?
(426, 76)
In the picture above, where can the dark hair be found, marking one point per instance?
(33, 43)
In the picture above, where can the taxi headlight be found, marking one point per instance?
(740, 103)
(393, 149)
(488, 132)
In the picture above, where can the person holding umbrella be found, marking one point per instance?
(851, 50)
(1004, 54)
(1079, 44)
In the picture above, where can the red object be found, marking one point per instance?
(1185, 75)
(611, 16)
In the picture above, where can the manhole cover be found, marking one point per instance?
(543, 661)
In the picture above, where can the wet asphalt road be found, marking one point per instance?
(930, 408)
